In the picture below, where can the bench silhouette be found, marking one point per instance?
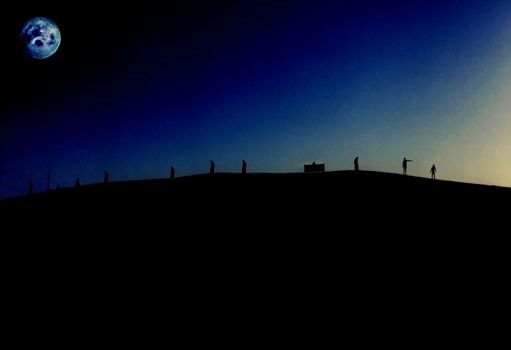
(314, 168)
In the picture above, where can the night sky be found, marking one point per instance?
(277, 83)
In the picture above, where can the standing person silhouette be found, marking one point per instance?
(405, 161)
(211, 167)
(433, 172)
(355, 162)
(243, 167)
(106, 177)
(172, 172)
(77, 182)
(30, 188)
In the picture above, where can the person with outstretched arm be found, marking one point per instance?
(405, 162)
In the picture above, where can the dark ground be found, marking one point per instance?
(335, 200)
(300, 209)
(305, 259)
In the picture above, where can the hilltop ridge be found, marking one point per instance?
(312, 195)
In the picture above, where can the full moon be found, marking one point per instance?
(40, 37)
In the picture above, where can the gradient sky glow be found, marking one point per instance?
(277, 83)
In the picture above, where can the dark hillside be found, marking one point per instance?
(293, 250)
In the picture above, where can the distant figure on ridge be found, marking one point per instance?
(405, 161)
(244, 167)
(172, 172)
(211, 167)
(106, 177)
(355, 162)
(77, 182)
(433, 171)
(30, 188)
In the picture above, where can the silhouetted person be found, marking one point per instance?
(77, 182)
(172, 172)
(355, 162)
(211, 167)
(433, 171)
(405, 162)
(106, 177)
(244, 167)
(30, 188)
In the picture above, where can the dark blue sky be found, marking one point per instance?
(278, 83)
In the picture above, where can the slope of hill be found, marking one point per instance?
(301, 244)
(324, 198)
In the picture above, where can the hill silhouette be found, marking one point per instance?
(297, 245)
(367, 217)
(235, 213)
(324, 198)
